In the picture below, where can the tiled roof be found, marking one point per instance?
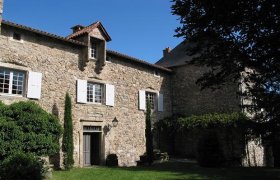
(178, 56)
(43, 33)
(71, 41)
(138, 60)
(88, 29)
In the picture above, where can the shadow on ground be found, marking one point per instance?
(183, 170)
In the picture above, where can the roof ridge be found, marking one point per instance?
(82, 31)
(139, 60)
(42, 32)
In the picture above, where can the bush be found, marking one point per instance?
(26, 127)
(22, 166)
(112, 160)
(209, 153)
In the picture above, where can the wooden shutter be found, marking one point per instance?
(142, 100)
(110, 95)
(160, 102)
(81, 91)
(34, 85)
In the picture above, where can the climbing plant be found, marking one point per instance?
(149, 136)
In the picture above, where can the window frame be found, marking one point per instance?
(11, 80)
(93, 49)
(102, 88)
(11, 37)
(154, 105)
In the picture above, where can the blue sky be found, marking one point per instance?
(140, 28)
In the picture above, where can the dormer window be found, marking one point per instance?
(93, 51)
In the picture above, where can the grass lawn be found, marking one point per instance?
(167, 171)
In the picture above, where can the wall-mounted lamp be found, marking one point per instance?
(115, 122)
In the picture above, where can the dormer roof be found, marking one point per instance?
(89, 29)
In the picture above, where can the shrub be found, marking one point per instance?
(112, 160)
(209, 152)
(26, 127)
(67, 142)
(11, 138)
(21, 166)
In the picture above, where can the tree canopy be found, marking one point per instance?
(234, 38)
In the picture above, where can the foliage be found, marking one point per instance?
(224, 125)
(112, 160)
(234, 38)
(149, 135)
(67, 142)
(209, 153)
(22, 166)
(26, 127)
(214, 120)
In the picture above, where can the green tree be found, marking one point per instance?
(149, 135)
(234, 38)
(67, 142)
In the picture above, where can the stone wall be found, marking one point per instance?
(237, 149)
(188, 99)
(231, 140)
(60, 64)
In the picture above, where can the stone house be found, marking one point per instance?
(109, 89)
(188, 99)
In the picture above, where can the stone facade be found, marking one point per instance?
(59, 62)
(188, 99)
(64, 61)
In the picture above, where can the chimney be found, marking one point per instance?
(1, 12)
(166, 51)
(76, 28)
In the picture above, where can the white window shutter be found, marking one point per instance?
(81, 91)
(160, 102)
(34, 85)
(142, 100)
(110, 95)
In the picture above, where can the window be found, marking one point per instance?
(156, 73)
(150, 97)
(17, 36)
(108, 58)
(11, 81)
(93, 51)
(94, 92)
